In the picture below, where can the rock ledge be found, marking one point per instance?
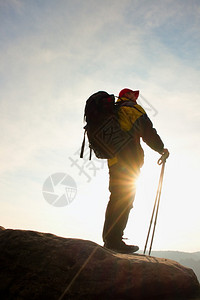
(36, 266)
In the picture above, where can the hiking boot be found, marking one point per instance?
(121, 247)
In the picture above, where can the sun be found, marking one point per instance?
(146, 189)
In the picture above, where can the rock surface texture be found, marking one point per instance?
(43, 266)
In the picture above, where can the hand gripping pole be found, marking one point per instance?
(162, 161)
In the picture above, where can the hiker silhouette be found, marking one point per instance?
(124, 169)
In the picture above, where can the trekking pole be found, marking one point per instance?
(162, 161)
(158, 203)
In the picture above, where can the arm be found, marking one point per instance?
(149, 135)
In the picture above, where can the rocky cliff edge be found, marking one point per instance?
(41, 266)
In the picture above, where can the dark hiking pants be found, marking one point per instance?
(122, 187)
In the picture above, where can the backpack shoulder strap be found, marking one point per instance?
(131, 104)
(83, 143)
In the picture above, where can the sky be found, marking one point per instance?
(53, 56)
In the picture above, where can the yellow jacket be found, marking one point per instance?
(133, 118)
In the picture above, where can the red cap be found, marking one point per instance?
(124, 91)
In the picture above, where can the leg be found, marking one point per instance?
(122, 194)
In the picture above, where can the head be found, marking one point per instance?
(129, 94)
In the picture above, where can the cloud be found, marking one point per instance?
(12, 4)
(59, 54)
(56, 59)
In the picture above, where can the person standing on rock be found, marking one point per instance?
(124, 169)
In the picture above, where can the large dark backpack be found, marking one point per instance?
(105, 136)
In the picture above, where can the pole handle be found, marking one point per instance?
(163, 158)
